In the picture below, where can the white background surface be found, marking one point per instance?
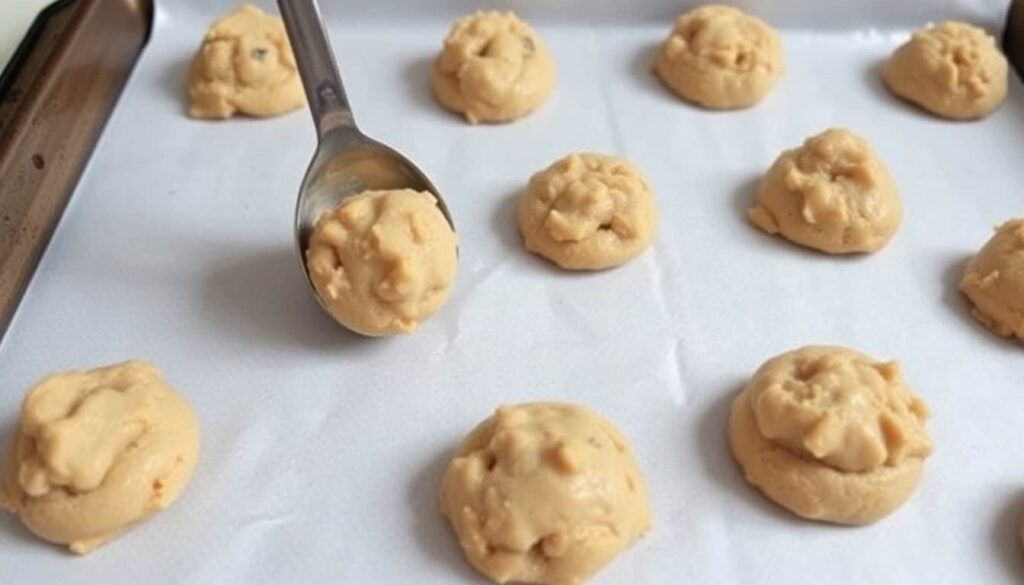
(323, 451)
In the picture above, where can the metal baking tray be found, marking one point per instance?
(55, 96)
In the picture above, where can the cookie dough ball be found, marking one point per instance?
(721, 58)
(831, 434)
(97, 451)
(994, 281)
(245, 65)
(832, 194)
(953, 70)
(588, 212)
(493, 68)
(544, 493)
(384, 261)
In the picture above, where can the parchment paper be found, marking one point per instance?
(322, 452)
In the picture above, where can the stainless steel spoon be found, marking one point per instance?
(346, 161)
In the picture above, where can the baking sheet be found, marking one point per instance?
(323, 451)
(15, 20)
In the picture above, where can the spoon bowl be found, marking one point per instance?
(346, 162)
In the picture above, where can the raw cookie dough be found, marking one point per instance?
(721, 58)
(544, 493)
(831, 434)
(384, 261)
(994, 281)
(97, 451)
(245, 65)
(831, 194)
(588, 212)
(493, 68)
(953, 70)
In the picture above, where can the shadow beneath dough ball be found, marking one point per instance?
(873, 80)
(505, 220)
(961, 306)
(1006, 535)
(743, 200)
(7, 427)
(417, 75)
(432, 531)
(721, 466)
(9, 523)
(505, 223)
(174, 82)
(261, 297)
(641, 69)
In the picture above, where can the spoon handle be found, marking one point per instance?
(319, 72)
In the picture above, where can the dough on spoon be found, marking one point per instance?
(245, 65)
(953, 70)
(719, 57)
(830, 434)
(544, 493)
(493, 68)
(994, 281)
(588, 212)
(832, 194)
(384, 261)
(98, 451)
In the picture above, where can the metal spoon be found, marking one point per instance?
(346, 162)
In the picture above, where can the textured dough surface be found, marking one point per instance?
(832, 194)
(97, 451)
(720, 57)
(544, 493)
(831, 434)
(384, 261)
(493, 68)
(244, 65)
(588, 212)
(994, 281)
(953, 70)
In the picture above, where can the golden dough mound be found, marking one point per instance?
(588, 212)
(953, 70)
(994, 281)
(720, 57)
(832, 194)
(384, 261)
(830, 434)
(245, 65)
(544, 493)
(97, 451)
(493, 68)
